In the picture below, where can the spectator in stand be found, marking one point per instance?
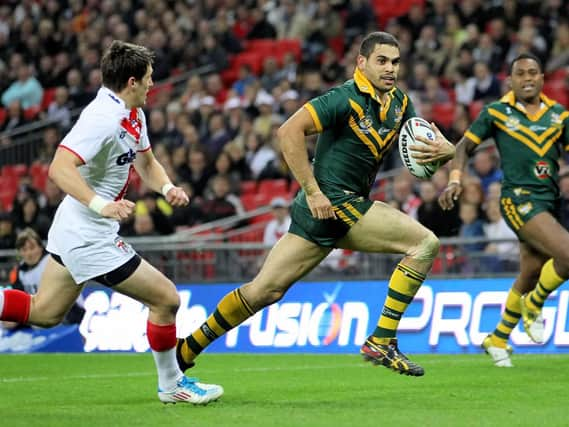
(59, 110)
(270, 76)
(261, 28)
(277, 227)
(403, 194)
(359, 20)
(26, 89)
(263, 122)
(49, 200)
(433, 92)
(7, 231)
(489, 53)
(14, 117)
(50, 140)
(559, 56)
(212, 54)
(238, 159)
(330, 67)
(77, 94)
(245, 78)
(486, 84)
(217, 135)
(233, 113)
(485, 167)
(502, 255)
(290, 22)
(196, 171)
(258, 154)
(221, 203)
(61, 66)
(224, 166)
(191, 214)
(157, 131)
(472, 225)
(27, 213)
(158, 210)
(432, 216)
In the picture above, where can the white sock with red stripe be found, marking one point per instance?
(162, 339)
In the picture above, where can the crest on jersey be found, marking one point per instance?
(525, 208)
(513, 123)
(398, 114)
(556, 121)
(365, 124)
(132, 126)
(542, 169)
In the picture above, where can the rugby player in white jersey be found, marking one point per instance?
(92, 165)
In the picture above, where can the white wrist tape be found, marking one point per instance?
(97, 203)
(166, 188)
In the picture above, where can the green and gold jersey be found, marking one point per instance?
(356, 131)
(529, 145)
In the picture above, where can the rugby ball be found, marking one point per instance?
(412, 128)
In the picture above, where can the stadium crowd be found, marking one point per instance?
(265, 58)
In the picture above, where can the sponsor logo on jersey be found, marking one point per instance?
(126, 158)
(542, 169)
(519, 191)
(556, 121)
(383, 130)
(525, 208)
(513, 123)
(537, 128)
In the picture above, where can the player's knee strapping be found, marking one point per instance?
(426, 250)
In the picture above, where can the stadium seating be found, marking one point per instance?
(273, 187)
(444, 114)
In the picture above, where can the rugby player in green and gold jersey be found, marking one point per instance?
(357, 122)
(529, 130)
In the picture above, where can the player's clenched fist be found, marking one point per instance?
(118, 210)
(176, 196)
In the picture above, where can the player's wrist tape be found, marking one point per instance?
(97, 204)
(454, 176)
(166, 188)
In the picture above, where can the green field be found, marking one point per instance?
(285, 390)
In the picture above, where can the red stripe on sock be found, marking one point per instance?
(16, 306)
(161, 337)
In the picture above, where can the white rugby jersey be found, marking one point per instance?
(106, 138)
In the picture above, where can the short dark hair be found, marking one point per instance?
(25, 235)
(377, 37)
(526, 55)
(122, 61)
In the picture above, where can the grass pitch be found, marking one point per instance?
(70, 390)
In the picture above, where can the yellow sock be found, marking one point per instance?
(509, 320)
(548, 281)
(403, 285)
(231, 311)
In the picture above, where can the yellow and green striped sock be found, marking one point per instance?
(548, 281)
(231, 311)
(509, 320)
(403, 285)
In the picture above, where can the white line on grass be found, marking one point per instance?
(444, 359)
